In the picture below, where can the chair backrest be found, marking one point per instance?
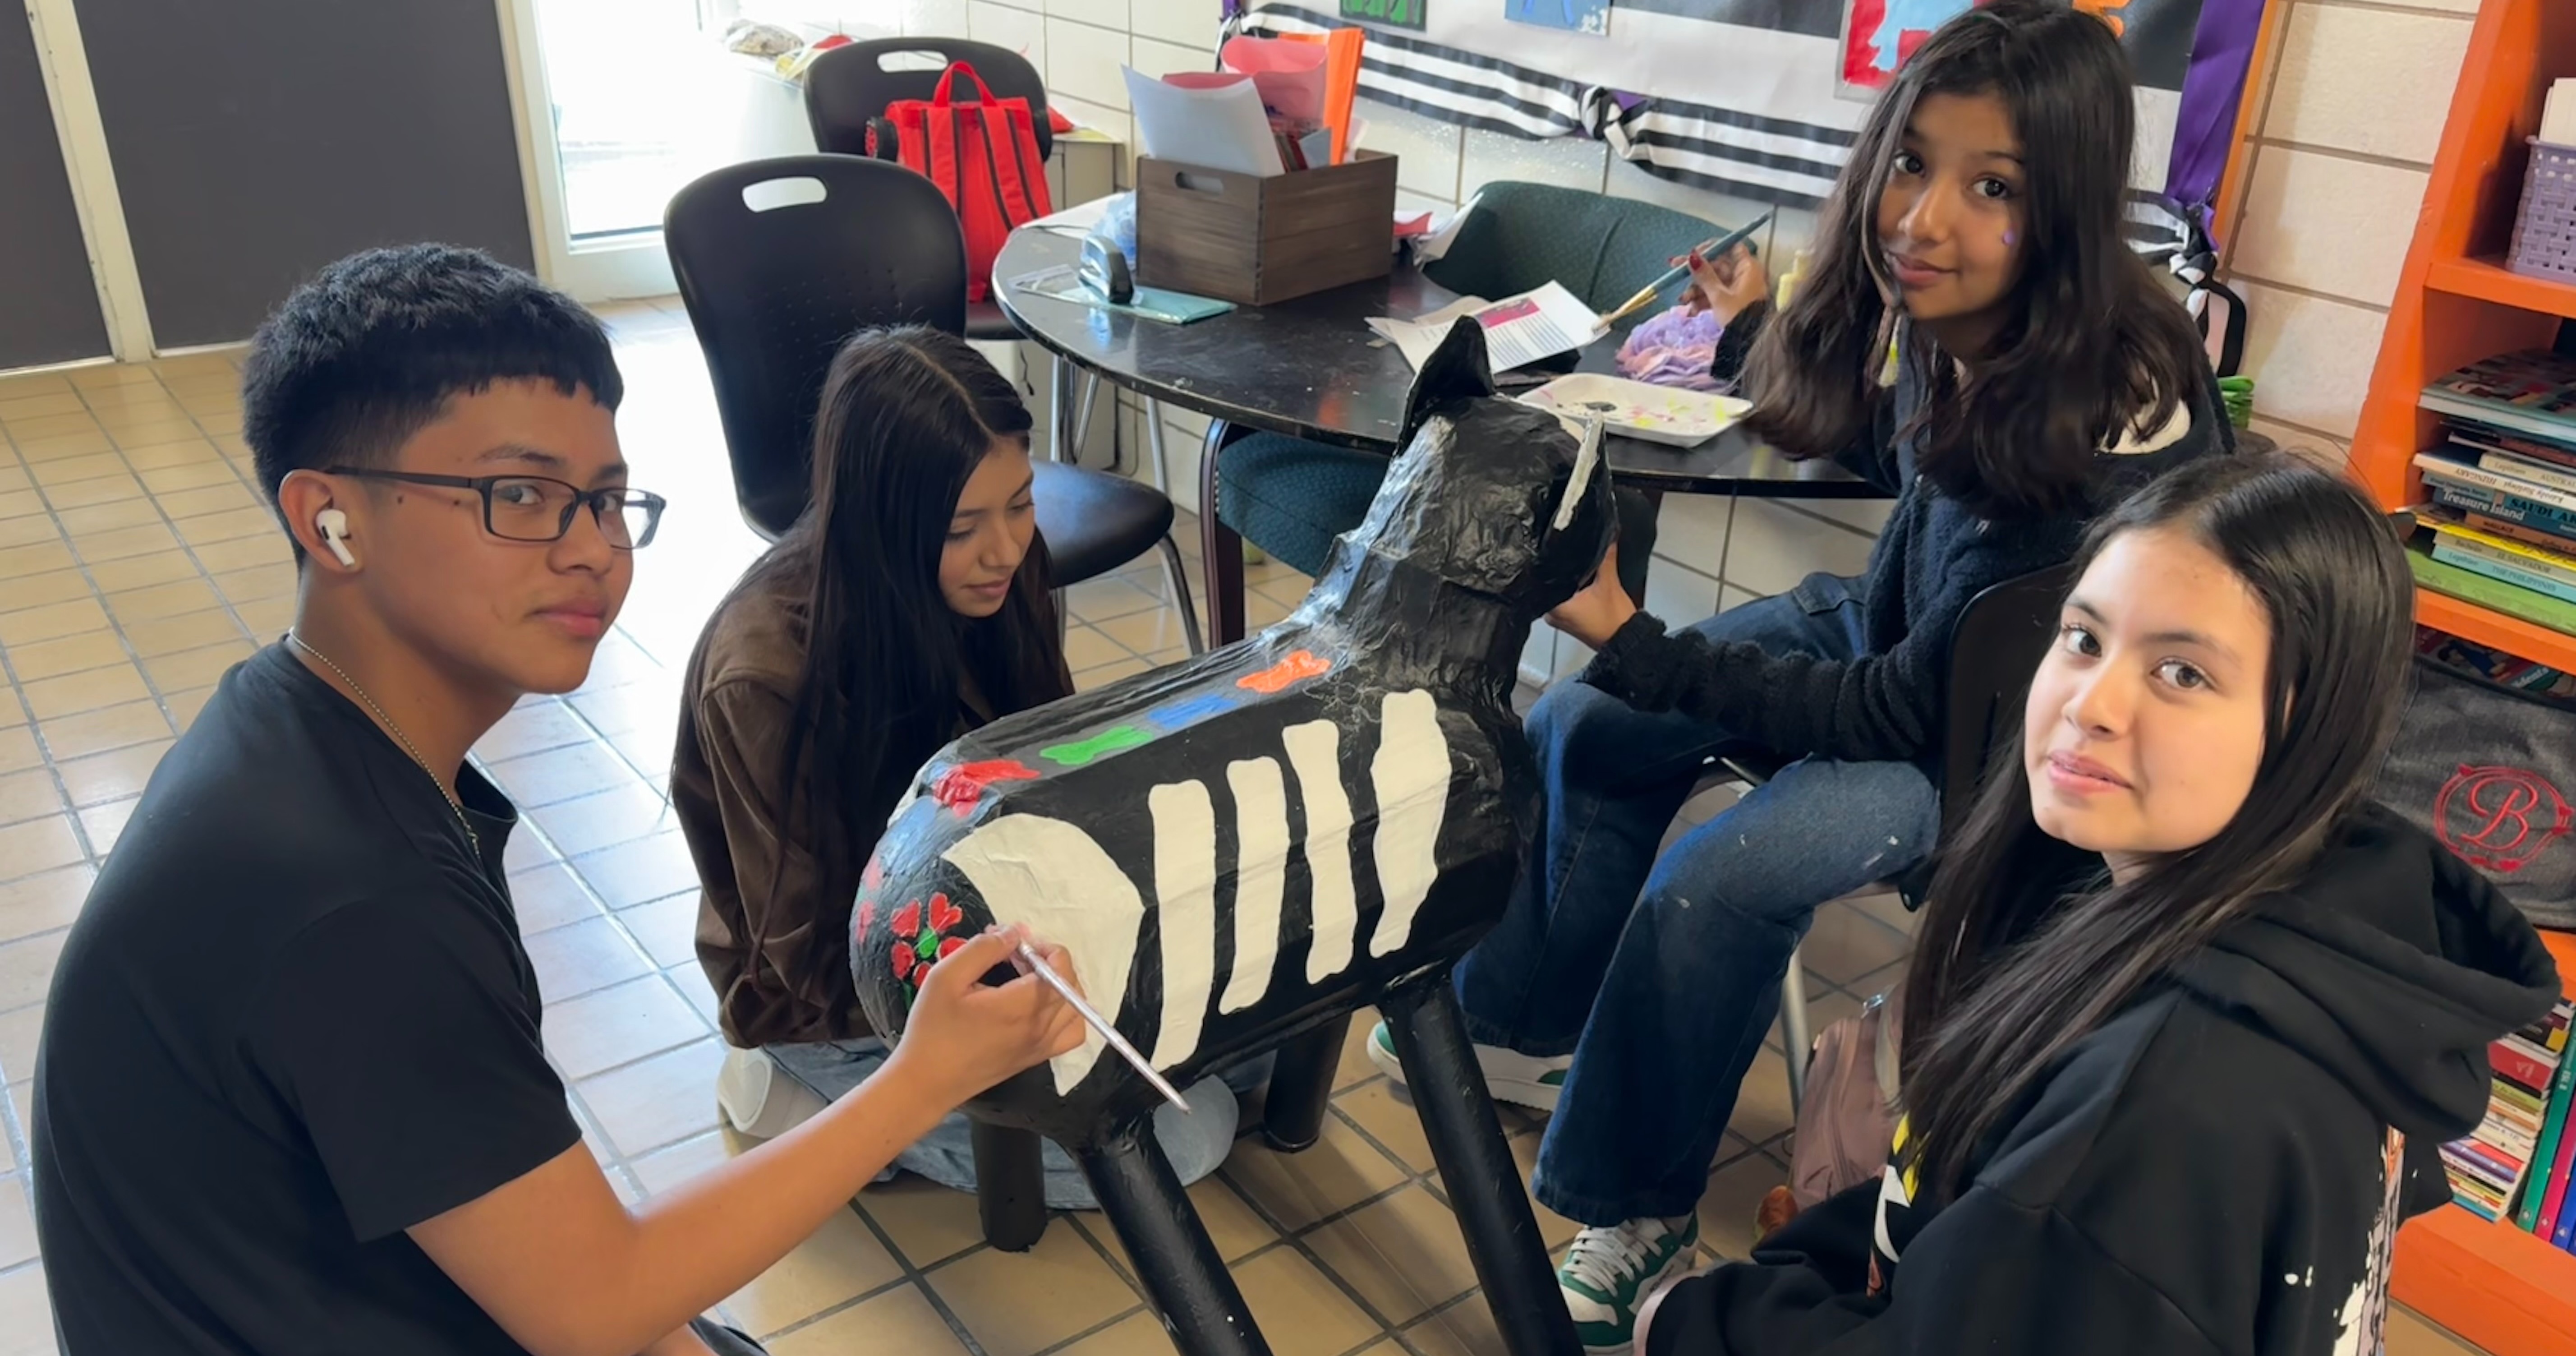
(849, 85)
(1995, 646)
(1601, 248)
(772, 292)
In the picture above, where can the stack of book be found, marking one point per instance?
(2502, 487)
(2515, 1165)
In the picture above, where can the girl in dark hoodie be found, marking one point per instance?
(2183, 1106)
(1973, 334)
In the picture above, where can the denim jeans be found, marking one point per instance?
(1196, 1143)
(1662, 975)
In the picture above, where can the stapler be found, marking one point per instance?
(1104, 270)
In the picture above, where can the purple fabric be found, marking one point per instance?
(1674, 349)
(2222, 53)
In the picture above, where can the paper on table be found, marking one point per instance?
(1519, 330)
(1220, 129)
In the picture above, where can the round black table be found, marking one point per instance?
(1312, 368)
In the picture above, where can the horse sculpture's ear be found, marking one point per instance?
(1457, 370)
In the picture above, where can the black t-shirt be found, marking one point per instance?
(294, 1019)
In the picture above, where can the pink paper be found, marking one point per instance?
(1290, 75)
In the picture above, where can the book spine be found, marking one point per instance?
(2523, 468)
(2545, 1160)
(2451, 553)
(2512, 1059)
(2494, 503)
(2528, 536)
(2479, 437)
(2556, 1213)
(2488, 480)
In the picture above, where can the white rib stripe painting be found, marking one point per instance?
(1411, 777)
(1260, 877)
(1185, 903)
(1313, 755)
(1051, 876)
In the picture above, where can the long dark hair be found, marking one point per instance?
(2011, 969)
(2091, 343)
(906, 416)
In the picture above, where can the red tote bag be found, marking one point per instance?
(983, 154)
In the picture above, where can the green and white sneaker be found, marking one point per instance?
(1608, 1273)
(1522, 1080)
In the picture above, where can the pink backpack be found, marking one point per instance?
(1847, 1121)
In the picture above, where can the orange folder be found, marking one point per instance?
(1341, 81)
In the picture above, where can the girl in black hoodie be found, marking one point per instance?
(2183, 1106)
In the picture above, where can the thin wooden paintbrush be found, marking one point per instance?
(1715, 249)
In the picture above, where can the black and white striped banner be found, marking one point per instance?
(1745, 97)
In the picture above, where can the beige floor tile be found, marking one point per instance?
(223, 363)
(34, 384)
(177, 635)
(1301, 1311)
(656, 867)
(230, 525)
(98, 490)
(163, 599)
(26, 1318)
(20, 1033)
(623, 813)
(27, 969)
(1138, 1334)
(583, 957)
(225, 494)
(197, 667)
(113, 727)
(1463, 1329)
(146, 432)
(15, 408)
(1340, 1171)
(269, 550)
(30, 531)
(1389, 1118)
(104, 824)
(18, 750)
(112, 374)
(928, 1222)
(184, 706)
(653, 703)
(64, 447)
(1017, 1304)
(1102, 675)
(1356, 1066)
(1734, 1193)
(1097, 600)
(840, 1262)
(1232, 1225)
(74, 693)
(899, 1322)
(1824, 1008)
(108, 517)
(1086, 648)
(1146, 632)
(667, 929)
(549, 896)
(50, 621)
(40, 591)
(116, 577)
(124, 543)
(38, 845)
(17, 1224)
(664, 1169)
(658, 1101)
(20, 562)
(32, 794)
(43, 902)
(1762, 1111)
(40, 426)
(66, 654)
(619, 1025)
(532, 727)
(190, 475)
(541, 779)
(1403, 1254)
(14, 478)
(267, 618)
(20, 503)
(1845, 943)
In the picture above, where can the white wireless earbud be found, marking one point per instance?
(334, 527)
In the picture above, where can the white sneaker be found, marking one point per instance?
(1608, 1274)
(758, 1100)
(1522, 1080)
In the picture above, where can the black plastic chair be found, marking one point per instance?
(847, 86)
(1995, 646)
(773, 292)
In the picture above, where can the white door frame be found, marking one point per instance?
(63, 62)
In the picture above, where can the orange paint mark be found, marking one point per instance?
(1297, 667)
(2101, 9)
(961, 786)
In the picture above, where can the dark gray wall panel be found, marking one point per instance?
(257, 140)
(48, 303)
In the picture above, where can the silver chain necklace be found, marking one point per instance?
(399, 737)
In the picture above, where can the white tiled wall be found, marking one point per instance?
(2345, 132)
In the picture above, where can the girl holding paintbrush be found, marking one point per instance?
(1972, 334)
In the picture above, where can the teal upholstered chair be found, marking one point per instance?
(1291, 497)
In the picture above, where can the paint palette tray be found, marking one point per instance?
(1655, 414)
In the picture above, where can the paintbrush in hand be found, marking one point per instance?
(1037, 966)
(1715, 249)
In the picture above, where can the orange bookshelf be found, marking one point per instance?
(2492, 1284)
(2456, 302)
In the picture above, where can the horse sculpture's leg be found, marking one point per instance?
(1484, 1183)
(1010, 1186)
(1183, 1276)
(1301, 1086)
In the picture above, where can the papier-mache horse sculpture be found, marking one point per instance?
(1240, 850)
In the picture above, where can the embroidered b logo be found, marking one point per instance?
(2499, 818)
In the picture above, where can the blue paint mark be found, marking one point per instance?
(1191, 711)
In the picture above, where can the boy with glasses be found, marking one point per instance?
(291, 1096)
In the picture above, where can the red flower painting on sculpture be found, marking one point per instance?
(918, 947)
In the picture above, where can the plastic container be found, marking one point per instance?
(2544, 231)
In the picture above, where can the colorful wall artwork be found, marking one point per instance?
(1878, 35)
(1571, 16)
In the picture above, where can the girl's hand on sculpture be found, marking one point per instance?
(1596, 613)
(965, 1036)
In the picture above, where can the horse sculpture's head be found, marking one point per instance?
(1490, 494)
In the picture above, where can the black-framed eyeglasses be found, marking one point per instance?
(540, 508)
